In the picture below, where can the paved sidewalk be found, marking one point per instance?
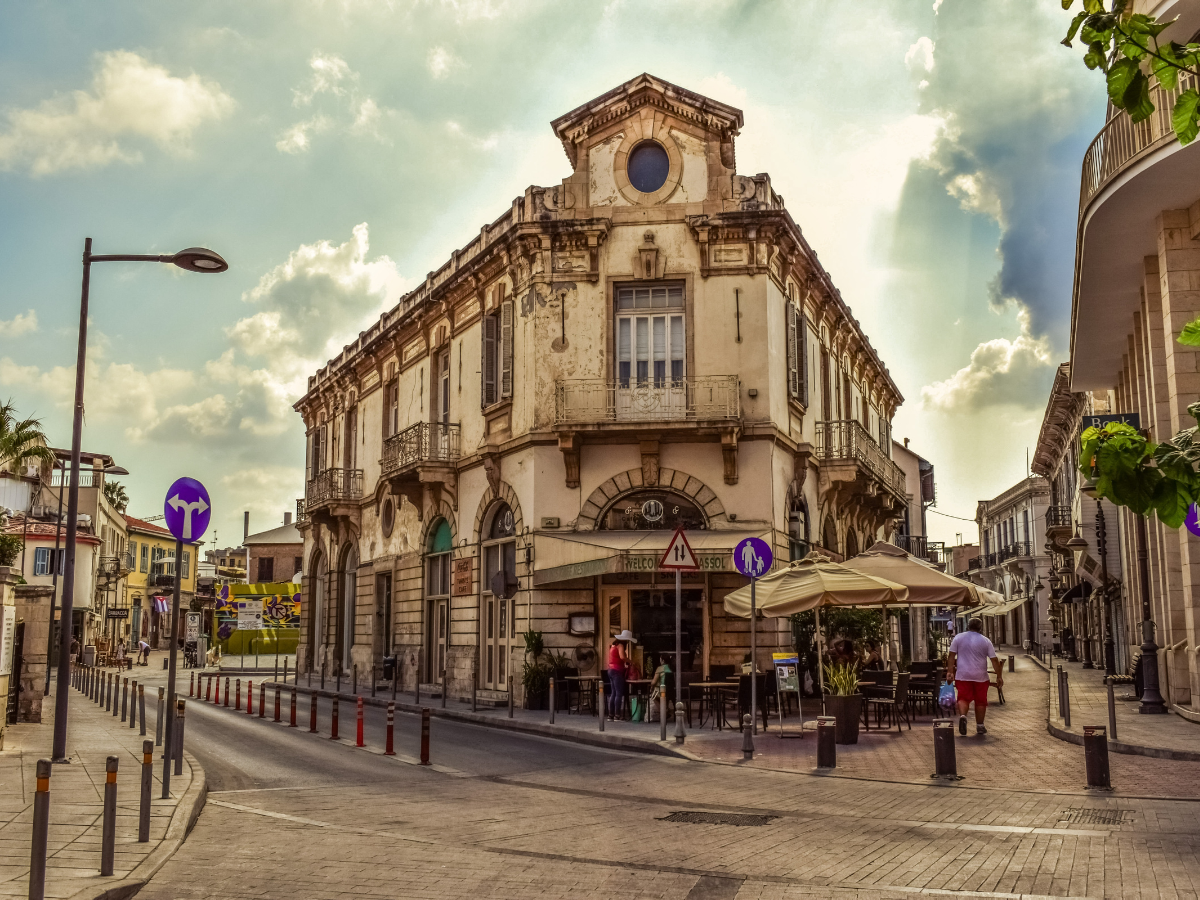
(1167, 736)
(76, 804)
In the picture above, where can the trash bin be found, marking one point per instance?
(89, 654)
(389, 668)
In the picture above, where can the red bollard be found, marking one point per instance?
(262, 699)
(237, 697)
(226, 690)
(333, 722)
(389, 751)
(359, 716)
(249, 698)
(208, 691)
(292, 723)
(277, 703)
(312, 714)
(192, 686)
(425, 736)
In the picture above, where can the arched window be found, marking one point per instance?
(851, 543)
(829, 535)
(346, 608)
(316, 610)
(798, 527)
(437, 597)
(650, 510)
(499, 601)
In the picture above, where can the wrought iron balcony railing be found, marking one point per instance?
(848, 440)
(975, 562)
(916, 544)
(1058, 517)
(703, 398)
(1120, 141)
(301, 511)
(1016, 549)
(334, 484)
(420, 443)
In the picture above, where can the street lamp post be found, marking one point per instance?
(1152, 700)
(194, 259)
(1110, 656)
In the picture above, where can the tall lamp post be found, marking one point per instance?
(194, 259)
(58, 467)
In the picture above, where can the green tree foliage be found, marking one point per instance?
(1125, 46)
(22, 441)
(114, 493)
(10, 548)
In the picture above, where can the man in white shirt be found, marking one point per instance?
(967, 667)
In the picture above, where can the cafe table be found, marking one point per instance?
(710, 691)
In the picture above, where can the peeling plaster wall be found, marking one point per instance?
(602, 186)
(693, 184)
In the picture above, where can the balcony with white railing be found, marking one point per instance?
(692, 399)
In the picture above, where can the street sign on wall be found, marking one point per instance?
(193, 626)
(187, 509)
(1130, 419)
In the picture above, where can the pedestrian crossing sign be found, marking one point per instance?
(679, 553)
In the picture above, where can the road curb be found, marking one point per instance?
(1115, 746)
(610, 741)
(187, 810)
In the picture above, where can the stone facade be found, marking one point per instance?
(651, 343)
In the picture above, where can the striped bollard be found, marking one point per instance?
(108, 836)
(226, 690)
(391, 721)
(358, 715)
(425, 736)
(41, 830)
(147, 783)
(312, 714)
(333, 722)
(276, 703)
(192, 685)
(237, 697)
(208, 690)
(262, 699)
(292, 711)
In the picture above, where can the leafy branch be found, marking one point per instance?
(1125, 46)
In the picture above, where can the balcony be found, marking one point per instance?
(421, 461)
(618, 411)
(856, 474)
(923, 548)
(975, 563)
(334, 493)
(1016, 550)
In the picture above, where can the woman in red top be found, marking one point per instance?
(618, 668)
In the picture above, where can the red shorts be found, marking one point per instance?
(972, 690)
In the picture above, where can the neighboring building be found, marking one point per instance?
(152, 579)
(1137, 268)
(1086, 588)
(960, 559)
(229, 564)
(912, 532)
(12, 634)
(651, 343)
(276, 555)
(1013, 562)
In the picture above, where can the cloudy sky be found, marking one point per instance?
(334, 152)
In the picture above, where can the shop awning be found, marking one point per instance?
(1003, 608)
(563, 557)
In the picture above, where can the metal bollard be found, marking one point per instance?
(118, 695)
(178, 737)
(1012, 663)
(41, 829)
(552, 699)
(262, 699)
(373, 681)
(1112, 710)
(443, 688)
(826, 742)
(391, 721)
(158, 719)
(208, 690)
(226, 690)
(747, 738)
(475, 689)
(108, 692)
(418, 700)
(237, 703)
(395, 670)
(322, 675)
(108, 836)
(333, 722)
(312, 714)
(285, 668)
(601, 711)
(425, 736)
(133, 695)
(142, 709)
(147, 782)
(192, 685)
(276, 703)
(354, 679)
(292, 710)
(1066, 698)
(680, 734)
(944, 761)
(1095, 757)
(662, 713)
(510, 696)
(339, 680)
(1060, 692)
(124, 699)
(358, 723)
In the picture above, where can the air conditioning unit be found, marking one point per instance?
(32, 472)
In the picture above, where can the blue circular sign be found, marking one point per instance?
(187, 509)
(753, 557)
(1193, 520)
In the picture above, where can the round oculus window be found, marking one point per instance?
(648, 166)
(388, 518)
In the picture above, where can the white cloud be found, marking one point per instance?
(21, 323)
(441, 62)
(920, 55)
(298, 138)
(344, 107)
(1000, 372)
(329, 72)
(130, 99)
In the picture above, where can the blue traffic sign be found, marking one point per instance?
(187, 509)
(1193, 520)
(753, 557)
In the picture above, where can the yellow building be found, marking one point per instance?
(151, 578)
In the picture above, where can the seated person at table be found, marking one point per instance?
(874, 660)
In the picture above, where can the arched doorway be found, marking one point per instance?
(499, 610)
(316, 611)
(798, 527)
(438, 548)
(851, 543)
(829, 535)
(347, 588)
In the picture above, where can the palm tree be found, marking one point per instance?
(114, 493)
(22, 441)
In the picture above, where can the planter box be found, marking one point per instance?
(539, 700)
(847, 711)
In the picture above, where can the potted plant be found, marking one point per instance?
(844, 701)
(535, 674)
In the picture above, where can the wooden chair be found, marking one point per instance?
(895, 705)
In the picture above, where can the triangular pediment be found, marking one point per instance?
(625, 101)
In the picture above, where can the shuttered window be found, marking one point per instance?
(497, 362)
(797, 354)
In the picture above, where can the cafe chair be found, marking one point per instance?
(894, 705)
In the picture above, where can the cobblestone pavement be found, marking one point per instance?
(308, 817)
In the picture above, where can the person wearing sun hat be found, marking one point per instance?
(618, 669)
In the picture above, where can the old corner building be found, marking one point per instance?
(650, 343)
